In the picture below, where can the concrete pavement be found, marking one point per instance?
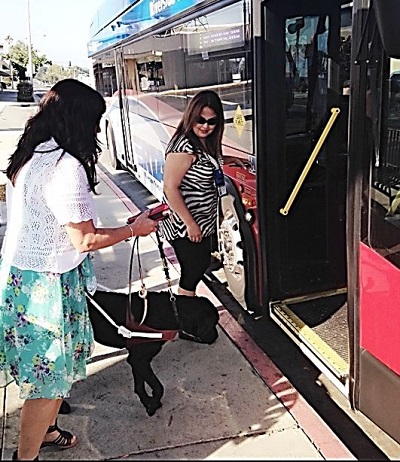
(224, 401)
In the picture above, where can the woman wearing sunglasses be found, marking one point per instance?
(193, 180)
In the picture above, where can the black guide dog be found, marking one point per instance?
(196, 318)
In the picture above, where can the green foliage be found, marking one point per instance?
(19, 56)
(53, 73)
(46, 71)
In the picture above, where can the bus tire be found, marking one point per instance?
(235, 249)
(112, 148)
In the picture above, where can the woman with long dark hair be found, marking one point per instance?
(45, 263)
(193, 180)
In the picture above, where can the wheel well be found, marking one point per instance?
(249, 251)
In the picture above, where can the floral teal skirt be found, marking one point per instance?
(46, 336)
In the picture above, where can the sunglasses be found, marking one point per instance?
(211, 122)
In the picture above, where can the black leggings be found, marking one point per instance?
(194, 258)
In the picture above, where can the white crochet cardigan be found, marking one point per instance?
(50, 191)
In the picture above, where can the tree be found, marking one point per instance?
(46, 71)
(55, 72)
(52, 74)
(19, 56)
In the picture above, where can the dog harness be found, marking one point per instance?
(137, 332)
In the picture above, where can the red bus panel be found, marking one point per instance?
(380, 308)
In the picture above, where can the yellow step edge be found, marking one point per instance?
(312, 339)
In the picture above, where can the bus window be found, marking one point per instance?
(307, 54)
(150, 75)
(211, 52)
(159, 73)
(105, 77)
(312, 78)
(385, 194)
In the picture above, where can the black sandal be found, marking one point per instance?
(64, 440)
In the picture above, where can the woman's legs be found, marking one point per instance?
(37, 413)
(36, 417)
(194, 258)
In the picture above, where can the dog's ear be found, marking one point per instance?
(198, 317)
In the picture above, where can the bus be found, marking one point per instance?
(309, 232)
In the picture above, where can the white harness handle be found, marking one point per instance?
(122, 329)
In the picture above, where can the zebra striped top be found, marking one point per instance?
(198, 191)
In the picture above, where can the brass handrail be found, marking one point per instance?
(334, 113)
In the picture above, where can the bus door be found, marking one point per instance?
(302, 163)
(374, 199)
(125, 90)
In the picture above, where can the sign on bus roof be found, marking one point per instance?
(117, 20)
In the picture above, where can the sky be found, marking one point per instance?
(59, 28)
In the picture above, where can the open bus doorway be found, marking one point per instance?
(331, 260)
(305, 188)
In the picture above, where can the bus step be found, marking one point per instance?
(323, 356)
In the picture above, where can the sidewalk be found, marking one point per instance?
(223, 401)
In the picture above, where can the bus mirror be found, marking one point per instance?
(387, 13)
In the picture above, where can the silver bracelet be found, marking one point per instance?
(131, 230)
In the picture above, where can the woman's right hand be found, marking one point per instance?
(143, 226)
(194, 232)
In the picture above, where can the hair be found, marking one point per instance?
(69, 112)
(205, 98)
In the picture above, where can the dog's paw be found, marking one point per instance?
(151, 408)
